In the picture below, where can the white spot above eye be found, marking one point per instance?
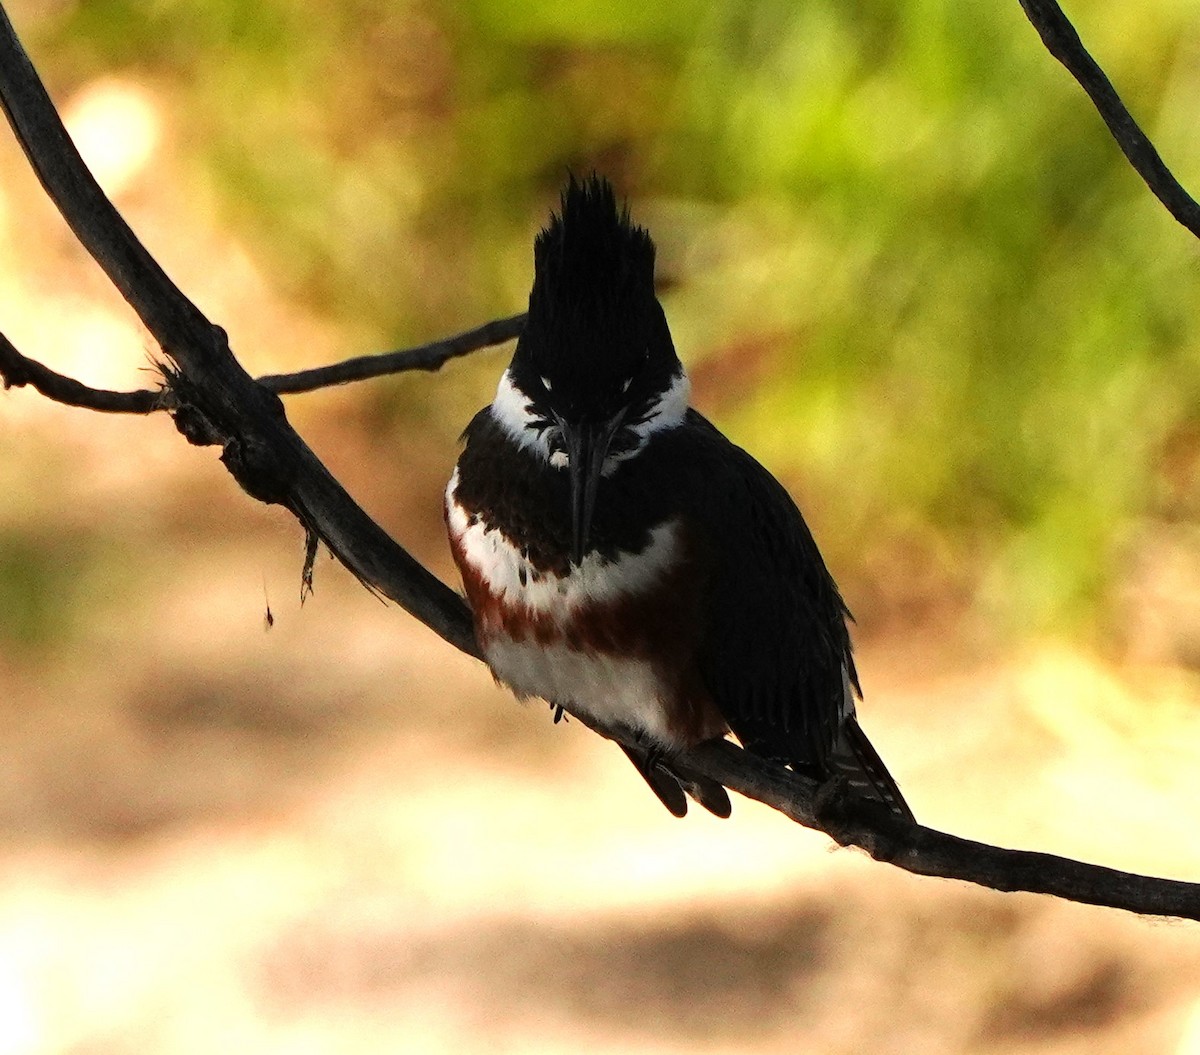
(666, 412)
(545, 383)
(625, 386)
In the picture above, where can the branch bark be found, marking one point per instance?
(214, 401)
(218, 402)
(1064, 44)
(16, 371)
(869, 826)
(432, 356)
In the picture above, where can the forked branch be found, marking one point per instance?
(214, 401)
(17, 370)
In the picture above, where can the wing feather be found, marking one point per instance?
(776, 650)
(773, 651)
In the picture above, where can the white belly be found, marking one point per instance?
(610, 689)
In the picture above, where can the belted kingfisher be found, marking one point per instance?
(624, 560)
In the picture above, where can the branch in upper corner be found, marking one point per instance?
(1062, 41)
(432, 356)
(17, 370)
(167, 313)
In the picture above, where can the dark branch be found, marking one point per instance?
(218, 402)
(870, 826)
(1064, 44)
(17, 370)
(213, 400)
(925, 851)
(167, 313)
(432, 356)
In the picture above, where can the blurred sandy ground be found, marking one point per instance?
(337, 835)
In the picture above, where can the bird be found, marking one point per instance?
(626, 562)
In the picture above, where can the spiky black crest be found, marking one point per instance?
(594, 322)
(591, 255)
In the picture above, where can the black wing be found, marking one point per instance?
(776, 655)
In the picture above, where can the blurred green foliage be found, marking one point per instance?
(953, 315)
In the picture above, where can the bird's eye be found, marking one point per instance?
(545, 383)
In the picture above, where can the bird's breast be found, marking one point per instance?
(614, 636)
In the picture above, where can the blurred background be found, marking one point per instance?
(906, 267)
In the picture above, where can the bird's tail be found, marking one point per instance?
(855, 759)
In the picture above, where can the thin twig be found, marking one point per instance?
(17, 370)
(1062, 41)
(432, 356)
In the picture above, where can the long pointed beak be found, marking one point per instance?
(587, 446)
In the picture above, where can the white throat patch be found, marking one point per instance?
(513, 411)
(665, 413)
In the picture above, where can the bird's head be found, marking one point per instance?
(595, 371)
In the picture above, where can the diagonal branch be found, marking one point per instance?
(167, 313)
(218, 401)
(432, 356)
(1064, 44)
(870, 826)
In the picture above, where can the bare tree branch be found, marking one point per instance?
(218, 401)
(870, 826)
(167, 313)
(432, 356)
(214, 401)
(1064, 44)
(17, 370)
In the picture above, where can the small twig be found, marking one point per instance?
(432, 356)
(17, 370)
(1062, 41)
